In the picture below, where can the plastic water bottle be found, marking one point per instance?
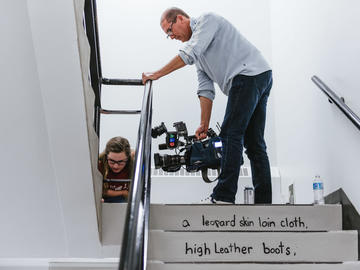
(318, 188)
(249, 197)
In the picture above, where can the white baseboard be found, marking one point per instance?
(24, 264)
(59, 264)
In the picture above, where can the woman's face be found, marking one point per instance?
(117, 161)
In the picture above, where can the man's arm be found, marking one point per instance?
(206, 107)
(173, 65)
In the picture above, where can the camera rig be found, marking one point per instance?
(198, 155)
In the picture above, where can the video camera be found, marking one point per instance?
(198, 155)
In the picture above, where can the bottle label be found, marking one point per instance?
(318, 186)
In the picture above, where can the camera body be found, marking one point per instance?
(197, 155)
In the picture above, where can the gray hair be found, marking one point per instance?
(171, 13)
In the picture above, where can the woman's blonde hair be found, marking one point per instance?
(116, 145)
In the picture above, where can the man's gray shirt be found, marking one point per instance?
(220, 53)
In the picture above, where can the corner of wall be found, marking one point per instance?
(84, 52)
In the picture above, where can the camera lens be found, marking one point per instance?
(158, 160)
(157, 131)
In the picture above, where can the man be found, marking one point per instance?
(222, 55)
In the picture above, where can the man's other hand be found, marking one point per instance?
(201, 132)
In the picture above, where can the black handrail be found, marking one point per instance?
(339, 102)
(121, 82)
(134, 245)
(91, 28)
(103, 111)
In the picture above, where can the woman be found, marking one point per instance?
(116, 162)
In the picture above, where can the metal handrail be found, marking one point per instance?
(91, 28)
(104, 111)
(133, 254)
(121, 81)
(339, 102)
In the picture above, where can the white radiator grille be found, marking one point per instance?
(244, 172)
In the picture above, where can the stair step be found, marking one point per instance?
(336, 246)
(197, 217)
(252, 266)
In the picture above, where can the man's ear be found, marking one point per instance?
(180, 18)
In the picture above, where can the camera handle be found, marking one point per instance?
(204, 174)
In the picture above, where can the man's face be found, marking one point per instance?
(178, 29)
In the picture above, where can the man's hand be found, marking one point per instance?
(201, 132)
(174, 64)
(149, 76)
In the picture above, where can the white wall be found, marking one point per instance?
(47, 206)
(55, 40)
(132, 42)
(316, 38)
(30, 210)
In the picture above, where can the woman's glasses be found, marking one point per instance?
(118, 162)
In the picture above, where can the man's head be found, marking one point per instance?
(176, 24)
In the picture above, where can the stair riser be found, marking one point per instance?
(113, 222)
(245, 218)
(213, 217)
(253, 247)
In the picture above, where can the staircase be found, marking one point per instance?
(252, 237)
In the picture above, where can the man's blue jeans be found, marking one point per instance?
(243, 126)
